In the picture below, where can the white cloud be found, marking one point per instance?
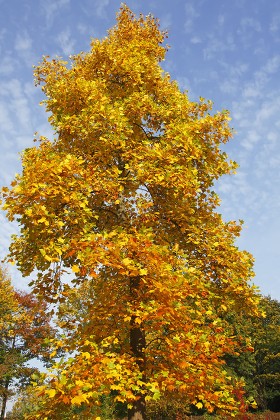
(66, 43)
(217, 45)
(24, 48)
(251, 92)
(235, 74)
(166, 22)
(23, 42)
(240, 83)
(6, 122)
(191, 15)
(85, 30)
(272, 65)
(6, 233)
(3, 32)
(16, 103)
(249, 35)
(248, 23)
(253, 194)
(221, 20)
(8, 65)
(17, 124)
(100, 6)
(251, 139)
(51, 8)
(275, 24)
(195, 40)
(186, 86)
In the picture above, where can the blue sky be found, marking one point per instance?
(226, 51)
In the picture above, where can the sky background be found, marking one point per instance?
(226, 51)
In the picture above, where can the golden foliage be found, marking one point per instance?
(124, 193)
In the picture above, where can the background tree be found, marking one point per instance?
(26, 403)
(266, 341)
(242, 364)
(24, 325)
(123, 198)
(259, 367)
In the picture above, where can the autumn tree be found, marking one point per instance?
(123, 200)
(23, 327)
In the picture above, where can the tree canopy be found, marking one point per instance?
(24, 325)
(122, 200)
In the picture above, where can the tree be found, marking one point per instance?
(23, 327)
(242, 364)
(266, 338)
(260, 368)
(122, 199)
(25, 404)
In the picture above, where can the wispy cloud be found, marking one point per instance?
(86, 30)
(215, 45)
(17, 104)
(191, 14)
(248, 24)
(51, 8)
(66, 42)
(8, 64)
(23, 42)
(24, 48)
(274, 26)
(100, 8)
(195, 40)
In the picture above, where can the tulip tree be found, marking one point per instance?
(123, 200)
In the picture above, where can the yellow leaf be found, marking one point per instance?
(127, 261)
(43, 220)
(17, 189)
(75, 268)
(58, 250)
(79, 382)
(78, 399)
(86, 354)
(199, 405)
(51, 392)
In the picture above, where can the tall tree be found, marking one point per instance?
(123, 199)
(23, 327)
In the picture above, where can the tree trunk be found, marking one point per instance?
(4, 399)
(137, 346)
(3, 408)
